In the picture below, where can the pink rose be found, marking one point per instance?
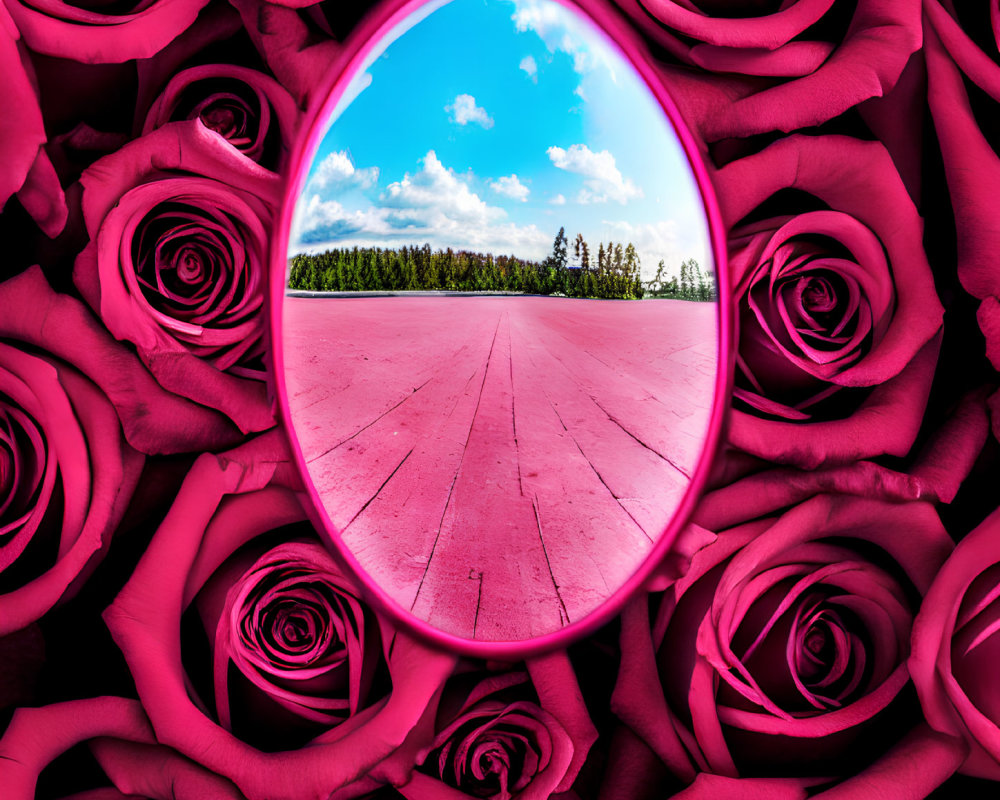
(65, 30)
(795, 66)
(955, 646)
(831, 301)
(783, 650)
(179, 223)
(75, 409)
(971, 164)
(247, 108)
(520, 734)
(294, 650)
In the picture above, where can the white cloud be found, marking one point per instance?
(433, 205)
(510, 186)
(560, 30)
(529, 66)
(317, 219)
(558, 200)
(435, 194)
(464, 110)
(543, 18)
(338, 171)
(603, 180)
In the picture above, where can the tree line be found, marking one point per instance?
(614, 273)
(691, 284)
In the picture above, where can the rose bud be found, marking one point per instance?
(122, 743)
(968, 149)
(285, 706)
(778, 66)
(247, 108)
(783, 650)
(65, 30)
(507, 735)
(836, 305)
(955, 649)
(179, 223)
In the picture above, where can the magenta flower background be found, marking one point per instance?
(826, 625)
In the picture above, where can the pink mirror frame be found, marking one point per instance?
(612, 25)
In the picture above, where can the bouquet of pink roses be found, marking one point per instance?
(173, 626)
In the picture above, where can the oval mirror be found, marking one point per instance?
(499, 340)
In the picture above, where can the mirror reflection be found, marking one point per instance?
(499, 328)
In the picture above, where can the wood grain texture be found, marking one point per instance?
(499, 465)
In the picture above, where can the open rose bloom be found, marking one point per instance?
(827, 623)
(955, 645)
(507, 734)
(792, 629)
(764, 66)
(177, 263)
(837, 309)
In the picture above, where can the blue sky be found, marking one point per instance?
(489, 124)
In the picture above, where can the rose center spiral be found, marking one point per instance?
(189, 262)
(228, 117)
(190, 265)
(295, 627)
(818, 295)
(829, 655)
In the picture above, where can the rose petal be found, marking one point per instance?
(638, 698)
(119, 191)
(67, 31)
(36, 736)
(42, 196)
(886, 423)
(154, 420)
(866, 64)
(773, 489)
(22, 132)
(149, 770)
(925, 757)
(768, 32)
(973, 173)
(560, 695)
(944, 700)
(718, 787)
(946, 460)
(289, 48)
(270, 95)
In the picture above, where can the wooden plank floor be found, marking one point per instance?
(499, 465)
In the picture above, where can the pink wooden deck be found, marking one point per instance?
(499, 465)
